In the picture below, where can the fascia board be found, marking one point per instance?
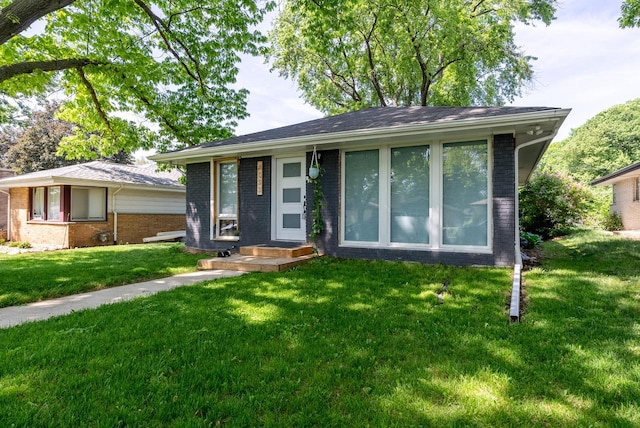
(66, 181)
(504, 122)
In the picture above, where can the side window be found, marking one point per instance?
(227, 200)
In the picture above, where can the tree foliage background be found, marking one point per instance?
(131, 74)
(350, 54)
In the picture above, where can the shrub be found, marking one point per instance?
(612, 222)
(551, 204)
(529, 240)
(18, 244)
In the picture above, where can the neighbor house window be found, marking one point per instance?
(613, 194)
(435, 196)
(53, 203)
(37, 203)
(465, 193)
(227, 200)
(88, 204)
(636, 189)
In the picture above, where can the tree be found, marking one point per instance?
(630, 16)
(550, 204)
(607, 142)
(350, 54)
(170, 62)
(33, 145)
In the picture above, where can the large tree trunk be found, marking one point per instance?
(20, 14)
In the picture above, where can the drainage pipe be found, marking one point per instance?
(514, 307)
(115, 214)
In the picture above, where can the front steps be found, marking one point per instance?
(260, 258)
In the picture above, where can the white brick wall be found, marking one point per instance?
(628, 209)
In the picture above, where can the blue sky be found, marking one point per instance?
(585, 62)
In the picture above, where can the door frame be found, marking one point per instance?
(276, 188)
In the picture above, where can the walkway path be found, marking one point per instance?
(37, 311)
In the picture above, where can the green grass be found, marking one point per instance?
(346, 343)
(31, 277)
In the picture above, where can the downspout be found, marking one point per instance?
(8, 213)
(115, 214)
(514, 307)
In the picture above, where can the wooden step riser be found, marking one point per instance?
(260, 251)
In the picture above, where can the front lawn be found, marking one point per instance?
(30, 277)
(346, 343)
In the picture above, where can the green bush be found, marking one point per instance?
(612, 222)
(551, 204)
(529, 240)
(18, 244)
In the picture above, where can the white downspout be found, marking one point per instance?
(8, 213)
(514, 307)
(115, 214)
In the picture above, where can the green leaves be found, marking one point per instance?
(160, 75)
(346, 55)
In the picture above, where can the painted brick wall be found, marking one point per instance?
(254, 209)
(503, 200)
(198, 205)
(628, 209)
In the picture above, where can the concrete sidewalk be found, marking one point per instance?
(37, 311)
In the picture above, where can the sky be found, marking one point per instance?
(584, 62)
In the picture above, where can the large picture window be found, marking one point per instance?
(82, 203)
(465, 193)
(227, 200)
(420, 196)
(88, 204)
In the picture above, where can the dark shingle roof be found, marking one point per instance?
(375, 117)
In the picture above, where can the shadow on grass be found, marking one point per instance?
(332, 343)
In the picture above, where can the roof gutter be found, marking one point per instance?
(465, 125)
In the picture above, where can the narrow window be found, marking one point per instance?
(227, 206)
(361, 195)
(636, 189)
(465, 193)
(613, 194)
(410, 195)
(53, 203)
(37, 203)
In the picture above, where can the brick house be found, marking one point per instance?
(4, 204)
(427, 184)
(625, 184)
(95, 203)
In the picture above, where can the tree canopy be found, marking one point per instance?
(630, 16)
(605, 143)
(350, 54)
(171, 63)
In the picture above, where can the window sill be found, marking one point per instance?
(227, 238)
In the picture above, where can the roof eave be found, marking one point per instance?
(192, 154)
(66, 181)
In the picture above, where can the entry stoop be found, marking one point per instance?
(260, 258)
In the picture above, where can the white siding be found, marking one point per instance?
(128, 201)
(628, 209)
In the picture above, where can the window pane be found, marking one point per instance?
(291, 195)
(291, 221)
(53, 209)
(37, 209)
(361, 195)
(79, 204)
(228, 228)
(96, 204)
(410, 194)
(227, 189)
(292, 169)
(465, 193)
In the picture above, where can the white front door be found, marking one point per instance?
(290, 199)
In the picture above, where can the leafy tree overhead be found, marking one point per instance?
(350, 54)
(607, 142)
(170, 62)
(630, 16)
(33, 145)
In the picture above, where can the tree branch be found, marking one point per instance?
(9, 71)
(94, 98)
(20, 14)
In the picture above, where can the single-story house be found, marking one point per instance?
(428, 184)
(4, 204)
(625, 184)
(95, 203)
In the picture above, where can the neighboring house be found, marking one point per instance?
(4, 204)
(95, 203)
(625, 184)
(428, 184)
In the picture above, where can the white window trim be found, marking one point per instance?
(435, 202)
(90, 219)
(214, 202)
